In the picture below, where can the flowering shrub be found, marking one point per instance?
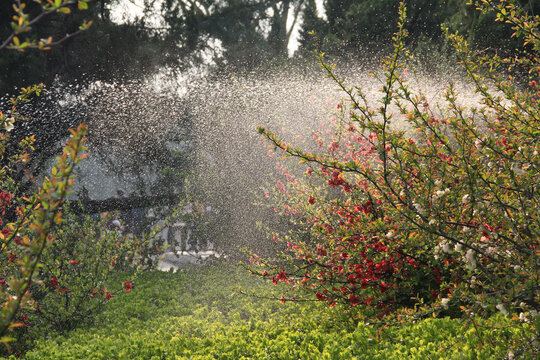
(54, 263)
(54, 266)
(27, 221)
(443, 212)
(75, 270)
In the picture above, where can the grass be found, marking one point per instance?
(200, 314)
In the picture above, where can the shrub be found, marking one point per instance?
(27, 221)
(203, 316)
(76, 269)
(52, 270)
(443, 212)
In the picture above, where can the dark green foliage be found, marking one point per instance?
(363, 28)
(106, 51)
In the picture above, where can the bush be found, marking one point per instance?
(202, 315)
(27, 220)
(53, 271)
(444, 212)
(54, 264)
(75, 270)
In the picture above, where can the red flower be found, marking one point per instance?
(5, 199)
(281, 276)
(73, 262)
(54, 282)
(108, 296)
(369, 300)
(127, 286)
(311, 200)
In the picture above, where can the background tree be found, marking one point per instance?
(364, 27)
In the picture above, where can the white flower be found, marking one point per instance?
(446, 247)
(432, 222)
(501, 308)
(465, 199)
(390, 234)
(8, 125)
(444, 302)
(469, 258)
(418, 208)
(458, 248)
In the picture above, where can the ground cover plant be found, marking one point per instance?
(439, 217)
(211, 313)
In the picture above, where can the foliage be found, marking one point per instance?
(218, 34)
(27, 221)
(442, 212)
(363, 28)
(22, 23)
(76, 267)
(55, 264)
(18, 32)
(202, 315)
(50, 268)
(246, 32)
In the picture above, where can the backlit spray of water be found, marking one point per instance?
(213, 122)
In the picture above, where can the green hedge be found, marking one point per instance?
(200, 314)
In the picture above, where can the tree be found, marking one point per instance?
(248, 31)
(364, 27)
(108, 50)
